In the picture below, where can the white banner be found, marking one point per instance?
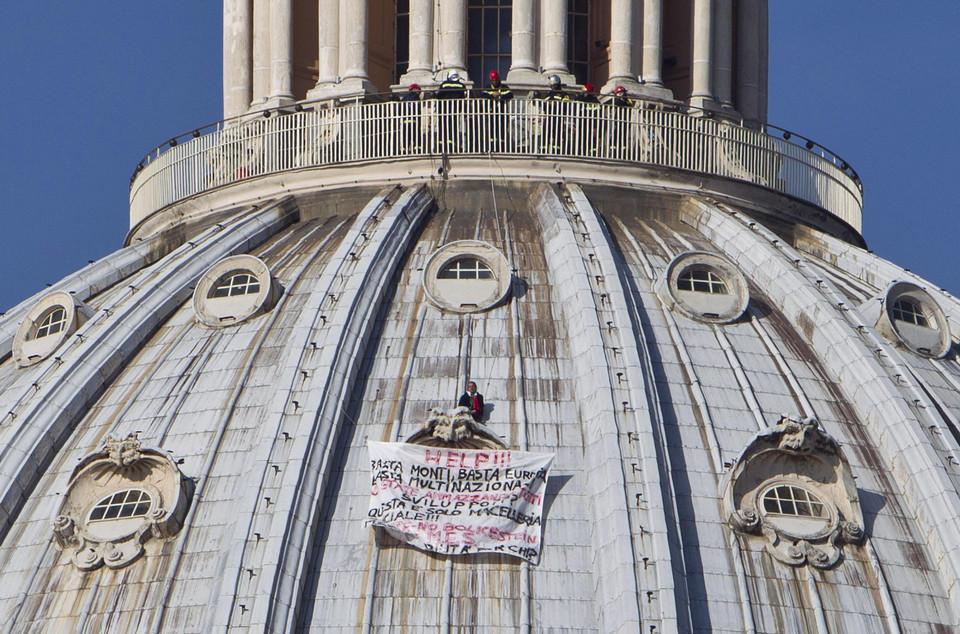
(459, 501)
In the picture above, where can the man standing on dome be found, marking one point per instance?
(472, 400)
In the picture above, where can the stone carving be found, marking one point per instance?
(457, 429)
(123, 452)
(146, 492)
(821, 512)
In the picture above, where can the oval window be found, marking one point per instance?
(912, 318)
(233, 290)
(705, 287)
(466, 276)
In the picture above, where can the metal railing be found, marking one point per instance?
(649, 136)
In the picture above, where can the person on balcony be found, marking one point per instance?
(588, 94)
(413, 93)
(620, 98)
(473, 400)
(620, 138)
(497, 130)
(556, 92)
(589, 140)
(452, 87)
(496, 90)
(411, 118)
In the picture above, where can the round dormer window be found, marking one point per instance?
(233, 290)
(467, 276)
(46, 326)
(705, 287)
(912, 318)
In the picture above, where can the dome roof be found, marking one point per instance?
(741, 442)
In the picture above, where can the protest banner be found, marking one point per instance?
(459, 501)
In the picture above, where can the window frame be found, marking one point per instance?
(480, 61)
(108, 503)
(715, 283)
(46, 324)
(482, 270)
(250, 286)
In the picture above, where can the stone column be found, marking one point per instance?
(523, 54)
(453, 37)
(281, 51)
(702, 54)
(653, 50)
(624, 38)
(328, 37)
(353, 47)
(553, 39)
(420, 68)
(261, 51)
(723, 53)
(748, 60)
(237, 57)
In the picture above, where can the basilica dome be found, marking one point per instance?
(751, 420)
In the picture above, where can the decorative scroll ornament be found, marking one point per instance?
(792, 491)
(457, 429)
(120, 500)
(123, 452)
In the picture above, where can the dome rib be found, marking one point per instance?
(831, 331)
(615, 560)
(48, 413)
(357, 277)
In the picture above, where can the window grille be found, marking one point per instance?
(790, 500)
(489, 24)
(909, 311)
(236, 284)
(465, 269)
(578, 39)
(402, 41)
(701, 281)
(121, 505)
(54, 322)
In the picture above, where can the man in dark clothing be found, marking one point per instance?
(556, 92)
(588, 95)
(497, 129)
(411, 118)
(620, 98)
(589, 124)
(413, 94)
(496, 89)
(452, 87)
(473, 400)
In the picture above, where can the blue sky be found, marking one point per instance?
(89, 88)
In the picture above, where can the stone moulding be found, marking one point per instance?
(122, 465)
(798, 457)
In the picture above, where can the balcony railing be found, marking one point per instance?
(644, 136)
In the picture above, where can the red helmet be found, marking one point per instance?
(414, 86)
(494, 76)
(588, 87)
(619, 90)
